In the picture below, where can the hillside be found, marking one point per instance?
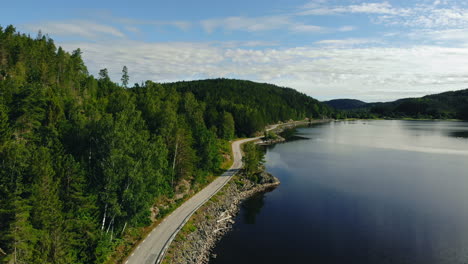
(447, 105)
(83, 159)
(346, 104)
(253, 105)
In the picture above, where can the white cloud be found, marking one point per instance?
(255, 24)
(423, 15)
(133, 29)
(436, 14)
(80, 28)
(347, 28)
(364, 68)
(306, 28)
(347, 42)
(371, 73)
(250, 44)
(180, 24)
(429, 17)
(251, 24)
(364, 8)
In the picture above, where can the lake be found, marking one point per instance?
(360, 192)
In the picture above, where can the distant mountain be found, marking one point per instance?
(346, 104)
(453, 104)
(447, 105)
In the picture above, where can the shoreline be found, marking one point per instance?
(214, 219)
(281, 127)
(194, 243)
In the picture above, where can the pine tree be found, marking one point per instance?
(17, 236)
(4, 125)
(47, 215)
(22, 235)
(227, 126)
(125, 76)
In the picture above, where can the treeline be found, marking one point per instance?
(82, 159)
(253, 105)
(447, 105)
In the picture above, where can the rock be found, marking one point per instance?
(267, 178)
(182, 189)
(195, 247)
(154, 213)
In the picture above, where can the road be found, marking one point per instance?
(153, 247)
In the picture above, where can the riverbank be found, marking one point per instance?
(159, 238)
(197, 238)
(334, 198)
(274, 135)
(199, 235)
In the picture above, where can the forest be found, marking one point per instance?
(83, 158)
(446, 105)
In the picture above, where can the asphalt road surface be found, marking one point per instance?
(152, 249)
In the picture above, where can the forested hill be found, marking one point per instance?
(252, 104)
(447, 105)
(83, 159)
(346, 104)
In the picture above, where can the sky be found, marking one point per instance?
(367, 50)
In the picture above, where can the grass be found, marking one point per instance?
(189, 227)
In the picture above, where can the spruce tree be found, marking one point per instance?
(125, 78)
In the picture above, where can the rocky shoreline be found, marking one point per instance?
(193, 244)
(278, 138)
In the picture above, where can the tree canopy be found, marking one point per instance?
(83, 158)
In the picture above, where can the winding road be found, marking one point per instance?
(152, 249)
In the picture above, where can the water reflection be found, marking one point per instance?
(291, 134)
(252, 207)
(382, 192)
(459, 134)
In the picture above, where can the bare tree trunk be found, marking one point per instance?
(104, 218)
(111, 223)
(112, 232)
(123, 229)
(174, 161)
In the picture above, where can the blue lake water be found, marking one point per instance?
(360, 192)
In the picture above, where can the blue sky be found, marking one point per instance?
(368, 50)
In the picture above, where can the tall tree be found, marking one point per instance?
(4, 125)
(125, 78)
(47, 214)
(253, 158)
(104, 74)
(17, 235)
(227, 126)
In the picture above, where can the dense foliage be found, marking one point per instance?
(448, 105)
(82, 159)
(253, 158)
(346, 104)
(253, 105)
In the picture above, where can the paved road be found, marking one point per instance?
(152, 248)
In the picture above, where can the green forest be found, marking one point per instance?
(84, 158)
(447, 105)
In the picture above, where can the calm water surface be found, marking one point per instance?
(360, 192)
